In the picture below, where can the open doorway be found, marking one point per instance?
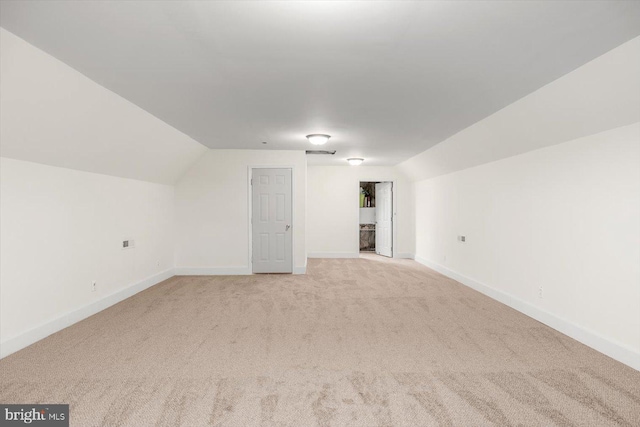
(376, 217)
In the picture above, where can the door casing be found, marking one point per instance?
(250, 211)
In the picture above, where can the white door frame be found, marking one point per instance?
(394, 194)
(250, 212)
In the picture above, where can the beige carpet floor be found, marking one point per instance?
(355, 342)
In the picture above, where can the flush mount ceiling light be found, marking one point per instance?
(355, 161)
(318, 138)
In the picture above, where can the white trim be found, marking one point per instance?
(615, 350)
(333, 255)
(250, 169)
(303, 269)
(31, 336)
(404, 255)
(212, 271)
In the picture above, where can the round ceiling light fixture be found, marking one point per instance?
(355, 161)
(318, 138)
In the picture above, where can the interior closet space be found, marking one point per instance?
(367, 216)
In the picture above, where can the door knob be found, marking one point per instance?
(287, 228)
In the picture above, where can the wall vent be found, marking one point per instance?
(321, 152)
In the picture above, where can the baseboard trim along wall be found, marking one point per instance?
(333, 255)
(612, 349)
(352, 255)
(34, 335)
(212, 271)
(223, 271)
(404, 256)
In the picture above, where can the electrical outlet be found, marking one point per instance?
(540, 292)
(158, 263)
(93, 286)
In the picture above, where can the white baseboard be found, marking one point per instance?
(333, 255)
(31, 336)
(404, 256)
(615, 350)
(223, 271)
(212, 271)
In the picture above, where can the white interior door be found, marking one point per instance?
(271, 221)
(384, 219)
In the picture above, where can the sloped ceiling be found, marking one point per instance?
(601, 95)
(387, 79)
(52, 114)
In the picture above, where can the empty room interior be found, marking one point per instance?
(320, 213)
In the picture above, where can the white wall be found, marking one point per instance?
(63, 229)
(333, 209)
(52, 114)
(565, 217)
(212, 218)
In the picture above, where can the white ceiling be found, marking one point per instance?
(386, 79)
